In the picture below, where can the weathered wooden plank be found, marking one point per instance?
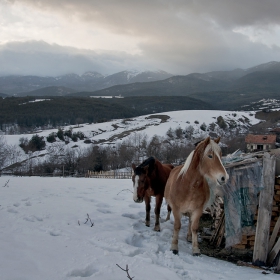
(264, 212)
(274, 234)
(216, 233)
(273, 253)
(277, 269)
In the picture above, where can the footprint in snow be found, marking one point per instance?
(55, 232)
(104, 211)
(139, 226)
(102, 205)
(28, 203)
(12, 210)
(33, 219)
(83, 272)
(16, 204)
(131, 216)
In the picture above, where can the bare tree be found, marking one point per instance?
(3, 151)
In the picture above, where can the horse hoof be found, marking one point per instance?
(175, 252)
(147, 225)
(196, 254)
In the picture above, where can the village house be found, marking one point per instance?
(260, 142)
(276, 131)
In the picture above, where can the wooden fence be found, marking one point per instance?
(109, 174)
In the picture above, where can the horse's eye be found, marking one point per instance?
(210, 156)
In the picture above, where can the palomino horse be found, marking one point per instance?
(149, 179)
(190, 188)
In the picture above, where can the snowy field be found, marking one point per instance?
(44, 235)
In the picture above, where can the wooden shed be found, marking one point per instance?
(255, 183)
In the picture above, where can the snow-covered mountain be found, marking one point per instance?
(89, 81)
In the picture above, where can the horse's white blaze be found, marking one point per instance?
(216, 150)
(135, 188)
(227, 177)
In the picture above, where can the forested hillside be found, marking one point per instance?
(29, 112)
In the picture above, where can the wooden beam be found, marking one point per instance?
(274, 234)
(277, 269)
(264, 212)
(272, 255)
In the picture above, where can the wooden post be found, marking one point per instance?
(264, 212)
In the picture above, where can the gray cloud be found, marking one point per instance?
(179, 36)
(40, 58)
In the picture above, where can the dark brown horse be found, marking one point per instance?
(149, 179)
(191, 187)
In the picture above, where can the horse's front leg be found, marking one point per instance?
(148, 209)
(177, 227)
(159, 199)
(195, 216)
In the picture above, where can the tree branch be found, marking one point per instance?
(126, 270)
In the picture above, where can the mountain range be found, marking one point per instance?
(63, 85)
(226, 90)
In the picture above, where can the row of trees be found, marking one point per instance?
(174, 148)
(77, 161)
(97, 158)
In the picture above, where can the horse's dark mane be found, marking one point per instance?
(148, 161)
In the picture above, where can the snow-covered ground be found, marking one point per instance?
(43, 235)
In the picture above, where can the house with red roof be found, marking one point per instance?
(260, 142)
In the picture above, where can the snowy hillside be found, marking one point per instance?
(44, 235)
(108, 132)
(199, 123)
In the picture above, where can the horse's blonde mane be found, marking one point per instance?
(185, 167)
(211, 146)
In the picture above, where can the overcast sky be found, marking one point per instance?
(51, 37)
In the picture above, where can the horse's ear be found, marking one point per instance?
(149, 168)
(206, 141)
(217, 140)
(133, 166)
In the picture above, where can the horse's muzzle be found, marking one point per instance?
(138, 200)
(222, 180)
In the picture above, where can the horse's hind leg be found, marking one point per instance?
(194, 227)
(177, 227)
(168, 213)
(148, 209)
(159, 199)
(189, 234)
